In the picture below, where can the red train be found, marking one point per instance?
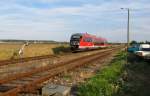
(82, 41)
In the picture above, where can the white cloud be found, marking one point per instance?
(50, 23)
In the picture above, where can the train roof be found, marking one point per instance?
(86, 34)
(83, 34)
(79, 34)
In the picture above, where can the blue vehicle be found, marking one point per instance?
(133, 48)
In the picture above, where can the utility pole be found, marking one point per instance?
(128, 27)
(128, 33)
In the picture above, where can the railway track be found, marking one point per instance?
(21, 60)
(27, 59)
(29, 81)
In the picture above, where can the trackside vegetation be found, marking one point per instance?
(107, 81)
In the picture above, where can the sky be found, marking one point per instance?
(58, 19)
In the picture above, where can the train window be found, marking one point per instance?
(98, 42)
(76, 36)
(87, 39)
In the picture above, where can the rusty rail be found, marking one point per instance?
(36, 76)
(13, 61)
(26, 59)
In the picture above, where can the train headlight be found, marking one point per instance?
(74, 43)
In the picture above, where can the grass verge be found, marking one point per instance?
(106, 82)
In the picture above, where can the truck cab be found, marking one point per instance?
(133, 48)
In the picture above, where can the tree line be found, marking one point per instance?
(141, 42)
(31, 41)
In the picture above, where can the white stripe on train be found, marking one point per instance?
(84, 47)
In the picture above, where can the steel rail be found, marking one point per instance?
(41, 69)
(21, 60)
(52, 71)
(26, 59)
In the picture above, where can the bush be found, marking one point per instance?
(105, 83)
(61, 49)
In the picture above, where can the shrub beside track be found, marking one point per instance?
(106, 82)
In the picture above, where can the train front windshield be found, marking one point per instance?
(75, 39)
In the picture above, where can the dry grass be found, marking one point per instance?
(7, 50)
